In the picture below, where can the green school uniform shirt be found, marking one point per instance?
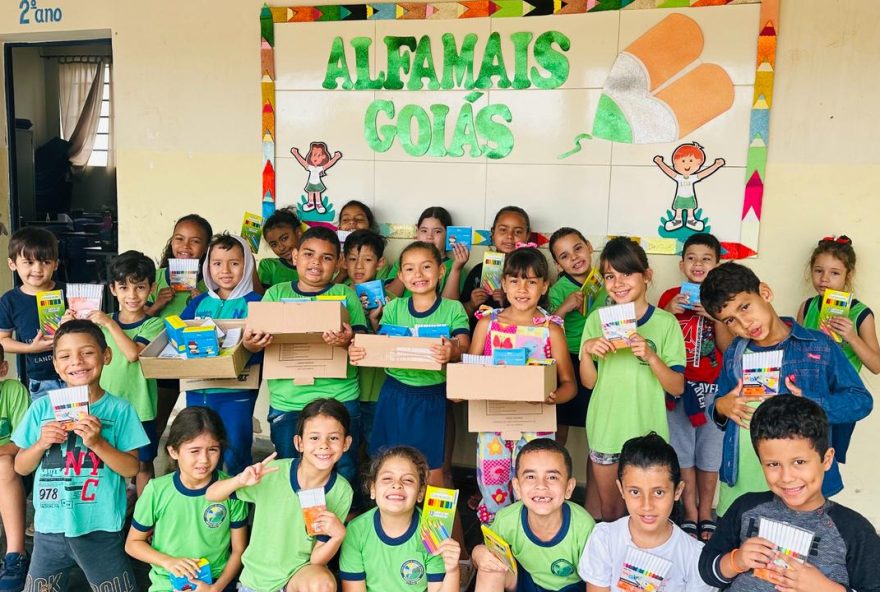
(75, 493)
(628, 400)
(186, 524)
(274, 270)
(176, 305)
(858, 311)
(127, 378)
(443, 312)
(552, 564)
(574, 321)
(388, 564)
(284, 393)
(750, 475)
(279, 545)
(14, 401)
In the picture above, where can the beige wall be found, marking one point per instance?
(187, 121)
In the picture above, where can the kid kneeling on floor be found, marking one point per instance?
(383, 549)
(791, 435)
(228, 271)
(80, 474)
(695, 438)
(812, 366)
(546, 532)
(281, 554)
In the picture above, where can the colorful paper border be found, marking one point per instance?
(762, 101)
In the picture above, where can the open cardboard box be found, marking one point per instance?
(384, 351)
(511, 418)
(298, 350)
(500, 383)
(222, 366)
(248, 380)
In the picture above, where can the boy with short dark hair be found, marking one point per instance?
(697, 442)
(791, 437)
(363, 256)
(316, 259)
(812, 366)
(546, 532)
(33, 255)
(79, 489)
(14, 401)
(127, 333)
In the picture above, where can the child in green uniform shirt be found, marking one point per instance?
(14, 401)
(190, 239)
(281, 554)
(128, 332)
(546, 532)
(383, 549)
(79, 501)
(316, 262)
(282, 232)
(573, 255)
(832, 266)
(175, 525)
(630, 384)
(363, 256)
(431, 228)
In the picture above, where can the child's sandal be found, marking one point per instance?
(707, 530)
(690, 527)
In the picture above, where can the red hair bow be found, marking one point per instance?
(519, 245)
(841, 240)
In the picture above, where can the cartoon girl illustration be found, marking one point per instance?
(316, 162)
(686, 162)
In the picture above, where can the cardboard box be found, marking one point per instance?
(398, 352)
(298, 350)
(500, 383)
(249, 379)
(193, 341)
(223, 366)
(511, 418)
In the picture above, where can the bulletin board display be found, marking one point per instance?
(644, 118)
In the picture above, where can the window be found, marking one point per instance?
(101, 149)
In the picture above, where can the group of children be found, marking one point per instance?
(665, 417)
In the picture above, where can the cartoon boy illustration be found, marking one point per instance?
(316, 162)
(686, 162)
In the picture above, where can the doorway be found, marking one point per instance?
(61, 163)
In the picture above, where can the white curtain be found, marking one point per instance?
(80, 87)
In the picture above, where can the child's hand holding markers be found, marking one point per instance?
(328, 524)
(641, 349)
(572, 302)
(255, 473)
(89, 429)
(754, 553)
(41, 343)
(676, 305)
(598, 346)
(842, 326)
(339, 338)
(163, 297)
(51, 433)
(799, 577)
(735, 406)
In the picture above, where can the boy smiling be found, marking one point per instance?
(791, 438)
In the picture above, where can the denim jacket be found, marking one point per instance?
(820, 370)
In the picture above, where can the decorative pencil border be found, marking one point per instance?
(759, 121)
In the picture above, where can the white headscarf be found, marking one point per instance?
(245, 285)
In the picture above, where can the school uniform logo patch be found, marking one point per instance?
(562, 568)
(412, 571)
(214, 515)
